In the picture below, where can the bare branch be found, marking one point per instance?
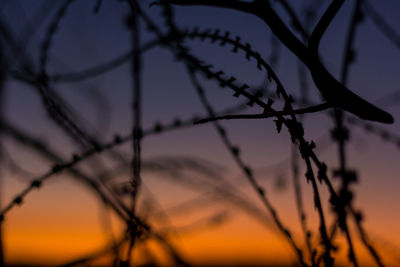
(270, 114)
(323, 24)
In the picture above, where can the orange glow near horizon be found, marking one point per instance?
(50, 232)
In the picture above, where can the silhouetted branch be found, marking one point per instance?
(333, 91)
(295, 20)
(307, 110)
(323, 24)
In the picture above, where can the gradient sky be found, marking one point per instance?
(64, 220)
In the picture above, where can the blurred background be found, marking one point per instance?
(192, 190)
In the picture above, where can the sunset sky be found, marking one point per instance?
(65, 220)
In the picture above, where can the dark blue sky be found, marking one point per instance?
(85, 39)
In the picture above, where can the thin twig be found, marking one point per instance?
(306, 110)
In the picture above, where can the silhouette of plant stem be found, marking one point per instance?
(312, 109)
(368, 127)
(323, 24)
